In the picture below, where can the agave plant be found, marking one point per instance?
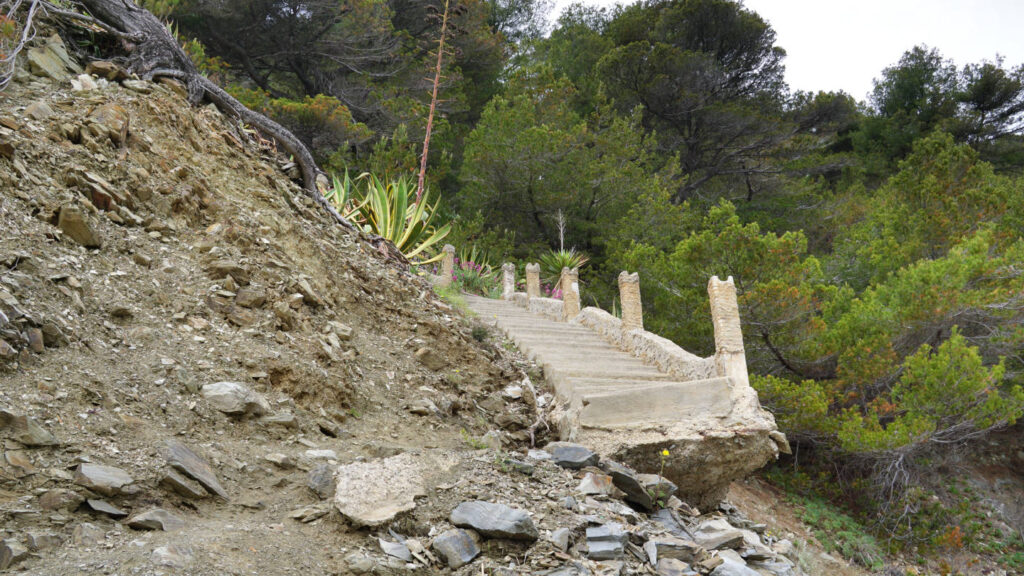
(389, 210)
(552, 262)
(474, 273)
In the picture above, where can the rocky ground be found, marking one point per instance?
(201, 374)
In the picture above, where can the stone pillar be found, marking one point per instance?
(508, 280)
(447, 264)
(629, 296)
(730, 359)
(533, 280)
(570, 285)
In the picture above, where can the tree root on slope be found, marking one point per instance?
(152, 52)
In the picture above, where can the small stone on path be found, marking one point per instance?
(184, 460)
(494, 520)
(156, 519)
(104, 507)
(105, 480)
(571, 456)
(456, 547)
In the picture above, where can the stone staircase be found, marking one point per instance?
(630, 394)
(608, 387)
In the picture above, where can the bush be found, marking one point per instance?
(552, 263)
(390, 210)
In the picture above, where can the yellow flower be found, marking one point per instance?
(664, 452)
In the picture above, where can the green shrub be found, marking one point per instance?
(838, 532)
(390, 210)
(552, 263)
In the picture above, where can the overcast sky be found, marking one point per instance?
(844, 45)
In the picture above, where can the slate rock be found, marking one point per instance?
(38, 110)
(494, 520)
(140, 86)
(35, 340)
(88, 535)
(60, 499)
(104, 507)
(235, 399)
(360, 563)
(606, 542)
(673, 567)
(222, 268)
(571, 456)
(321, 481)
(156, 519)
(75, 225)
(524, 468)
(644, 490)
(51, 60)
(182, 486)
(173, 556)
(660, 547)
(106, 69)
(395, 550)
(25, 429)
(431, 359)
(560, 538)
(786, 548)
(250, 297)
(753, 549)
(282, 461)
(105, 480)
(778, 567)
(456, 547)
(184, 460)
(44, 63)
(11, 551)
(20, 460)
(593, 484)
(285, 419)
(718, 534)
(38, 541)
(321, 454)
(733, 565)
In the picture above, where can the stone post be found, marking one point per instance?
(508, 280)
(570, 283)
(533, 280)
(629, 296)
(730, 359)
(447, 264)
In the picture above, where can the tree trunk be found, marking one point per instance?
(153, 52)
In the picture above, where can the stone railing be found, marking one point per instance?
(628, 332)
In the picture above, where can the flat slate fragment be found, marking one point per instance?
(184, 460)
(571, 456)
(457, 547)
(156, 519)
(494, 520)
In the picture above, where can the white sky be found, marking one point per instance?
(844, 45)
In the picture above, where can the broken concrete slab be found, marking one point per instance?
(373, 493)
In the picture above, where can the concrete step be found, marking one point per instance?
(594, 384)
(582, 345)
(654, 403)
